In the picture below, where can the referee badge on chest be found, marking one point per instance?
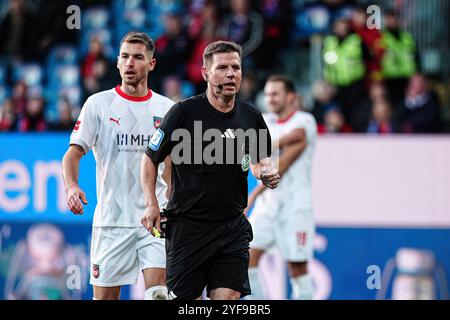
(245, 163)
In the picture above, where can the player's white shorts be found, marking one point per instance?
(290, 230)
(118, 255)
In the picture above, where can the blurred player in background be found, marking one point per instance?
(284, 216)
(117, 125)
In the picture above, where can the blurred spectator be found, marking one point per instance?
(382, 119)
(65, 117)
(173, 49)
(97, 72)
(361, 116)
(172, 88)
(377, 92)
(33, 117)
(324, 100)
(19, 97)
(400, 60)
(204, 32)
(8, 117)
(243, 26)
(202, 13)
(421, 109)
(249, 88)
(344, 56)
(334, 122)
(371, 39)
(95, 52)
(19, 32)
(277, 20)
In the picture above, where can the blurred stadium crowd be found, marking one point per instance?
(352, 78)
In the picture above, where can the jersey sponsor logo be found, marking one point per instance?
(157, 122)
(95, 271)
(123, 139)
(156, 140)
(245, 163)
(228, 134)
(115, 120)
(77, 125)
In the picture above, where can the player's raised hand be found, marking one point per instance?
(151, 220)
(74, 195)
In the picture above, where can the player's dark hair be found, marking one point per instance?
(220, 47)
(287, 81)
(139, 37)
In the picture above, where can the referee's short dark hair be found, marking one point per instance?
(287, 81)
(220, 47)
(139, 37)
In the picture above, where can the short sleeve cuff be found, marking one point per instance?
(81, 143)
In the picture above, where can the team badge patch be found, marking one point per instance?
(245, 163)
(157, 122)
(95, 271)
(156, 140)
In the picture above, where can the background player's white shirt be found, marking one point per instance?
(118, 128)
(295, 188)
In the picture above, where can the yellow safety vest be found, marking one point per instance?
(343, 62)
(399, 58)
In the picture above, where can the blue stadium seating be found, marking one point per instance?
(310, 20)
(2, 74)
(4, 93)
(31, 73)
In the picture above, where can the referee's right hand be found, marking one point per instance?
(74, 195)
(151, 218)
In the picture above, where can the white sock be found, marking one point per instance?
(302, 287)
(255, 285)
(156, 293)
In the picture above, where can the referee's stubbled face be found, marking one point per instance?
(224, 69)
(134, 63)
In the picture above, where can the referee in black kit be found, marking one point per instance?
(208, 236)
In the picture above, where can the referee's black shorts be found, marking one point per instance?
(211, 255)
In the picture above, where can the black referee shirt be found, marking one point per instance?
(201, 189)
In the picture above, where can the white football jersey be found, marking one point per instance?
(118, 128)
(295, 188)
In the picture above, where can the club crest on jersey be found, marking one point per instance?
(157, 122)
(95, 271)
(156, 140)
(245, 163)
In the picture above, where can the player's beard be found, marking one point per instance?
(133, 81)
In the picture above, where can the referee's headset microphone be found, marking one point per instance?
(219, 86)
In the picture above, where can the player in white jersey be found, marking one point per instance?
(284, 217)
(117, 125)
